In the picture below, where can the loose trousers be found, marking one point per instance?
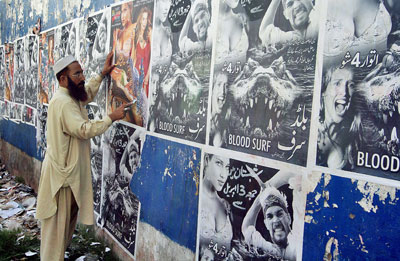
(57, 231)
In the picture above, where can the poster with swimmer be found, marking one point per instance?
(359, 118)
(19, 71)
(2, 72)
(168, 189)
(120, 208)
(249, 211)
(31, 63)
(9, 71)
(131, 34)
(66, 40)
(264, 78)
(181, 63)
(94, 51)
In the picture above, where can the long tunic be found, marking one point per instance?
(67, 159)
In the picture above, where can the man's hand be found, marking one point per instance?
(119, 113)
(108, 66)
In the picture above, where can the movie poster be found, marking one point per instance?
(120, 208)
(7, 109)
(263, 78)
(28, 115)
(181, 63)
(47, 79)
(41, 130)
(16, 112)
(359, 119)
(18, 92)
(3, 110)
(96, 155)
(249, 212)
(9, 71)
(131, 34)
(167, 185)
(66, 40)
(31, 64)
(95, 51)
(2, 72)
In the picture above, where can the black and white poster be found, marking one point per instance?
(96, 50)
(7, 109)
(96, 155)
(264, 78)
(120, 208)
(3, 113)
(2, 72)
(16, 112)
(66, 40)
(41, 130)
(249, 212)
(180, 73)
(31, 64)
(359, 120)
(18, 92)
(28, 115)
(131, 34)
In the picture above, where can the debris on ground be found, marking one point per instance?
(20, 231)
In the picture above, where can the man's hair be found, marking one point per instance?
(62, 72)
(199, 5)
(272, 197)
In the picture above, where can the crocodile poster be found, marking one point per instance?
(47, 79)
(181, 62)
(264, 78)
(359, 120)
(66, 40)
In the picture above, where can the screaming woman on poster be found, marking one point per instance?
(143, 46)
(340, 129)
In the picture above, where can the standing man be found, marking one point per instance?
(65, 183)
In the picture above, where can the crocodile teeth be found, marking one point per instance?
(266, 100)
(251, 103)
(255, 100)
(394, 134)
(398, 107)
(391, 113)
(269, 125)
(385, 118)
(278, 114)
(248, 121)
(271, 103)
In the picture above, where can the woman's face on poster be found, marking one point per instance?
(102, 38)
(217, 171)
(163, 9)
(145, 16)
(201, 22)
(126, 18)
(219, 93)
(338, 94)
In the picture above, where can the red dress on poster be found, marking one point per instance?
(143, 57)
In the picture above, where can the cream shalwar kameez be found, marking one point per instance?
(66, 169)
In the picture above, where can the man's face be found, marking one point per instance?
(277, 222)
(338, 94)
(201, 22)
(219, 93)
(163, 9)
(76, 82)
(134, 157)
(125, 15)
(217, 171)
(297, 12)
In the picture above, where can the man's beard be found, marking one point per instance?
(77, 91)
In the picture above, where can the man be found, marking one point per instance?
(200, 17)
(65, 183)
(298, 12)
(276, 219)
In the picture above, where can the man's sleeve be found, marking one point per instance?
(75, 125)
(92, 87)
(274, 35)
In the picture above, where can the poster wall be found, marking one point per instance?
(181, 63)
(359, 119)
(131, 34)
(264, 78)
(9, 71)
(47, 79)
